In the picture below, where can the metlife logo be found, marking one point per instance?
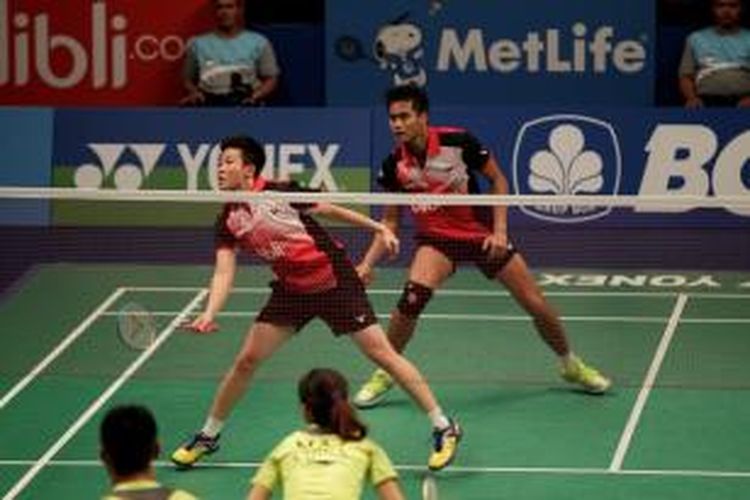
(565, 155)
(478, 53)
(579, 50)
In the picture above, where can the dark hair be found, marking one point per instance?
(416, 95)
(238, 3)
(128, 439)
(252, 151)
(324, 392)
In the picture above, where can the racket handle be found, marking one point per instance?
(188, 326)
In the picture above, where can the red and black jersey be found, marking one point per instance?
(300, 251)
(453, 158)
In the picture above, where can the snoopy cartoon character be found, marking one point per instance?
(398, 49)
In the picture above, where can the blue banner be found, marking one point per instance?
(476, 52)
(139, 149)
(26, 143)
(178, 149)
(599, 151)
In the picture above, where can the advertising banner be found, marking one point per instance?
(110, 53)
(178, 149)
(26, 143)
(600, 151)
(476, 52)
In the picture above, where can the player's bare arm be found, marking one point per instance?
(497, 243)
(389, 490)
(221, 285)
(258, 492)
(391, 216)
(383, 233)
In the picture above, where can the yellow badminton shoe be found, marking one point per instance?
(193, 450)
(577, 372)
(444, 446)
(374, 390)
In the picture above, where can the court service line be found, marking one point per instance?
(103, 398)
(604, 291)
(648, 383)
(60, 348)
(497, 317)
(453, 317)
(453, 468)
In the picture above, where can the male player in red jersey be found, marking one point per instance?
(314, 278)
(447, 161)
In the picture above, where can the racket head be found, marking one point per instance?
(429, 487)
(136, 326)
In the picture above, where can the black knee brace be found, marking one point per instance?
(414, 299)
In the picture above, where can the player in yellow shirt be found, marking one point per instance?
(332, 458)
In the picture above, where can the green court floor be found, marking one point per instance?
(674, 426)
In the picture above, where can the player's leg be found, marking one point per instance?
(374, 344)
(428, 270)
(517, 278)
(262, 340)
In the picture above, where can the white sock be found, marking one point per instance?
(438, 418)
(567, 359)
(212, 427)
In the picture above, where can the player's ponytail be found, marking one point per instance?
(324, 392)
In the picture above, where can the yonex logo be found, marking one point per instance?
(129, 165)
(566, 155)
(126, 175)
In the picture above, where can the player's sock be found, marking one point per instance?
(566, 360)
(212, 427)
(575, 371)
(438, 418)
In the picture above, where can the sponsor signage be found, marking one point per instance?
(96, 53)
(478, 53)
(608, 152)
(327, 150)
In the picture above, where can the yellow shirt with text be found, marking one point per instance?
(316, 466)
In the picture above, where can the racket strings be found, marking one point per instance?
(137, 327)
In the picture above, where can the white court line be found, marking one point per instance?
(60, 348)
(648, 383)
(715, 320)
(453, 468)
(448, 316)
(498, 317)
(477, 293)
(102, 399)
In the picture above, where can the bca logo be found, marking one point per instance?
(566, 155)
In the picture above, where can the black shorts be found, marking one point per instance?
(345, 308)
(468, 251)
